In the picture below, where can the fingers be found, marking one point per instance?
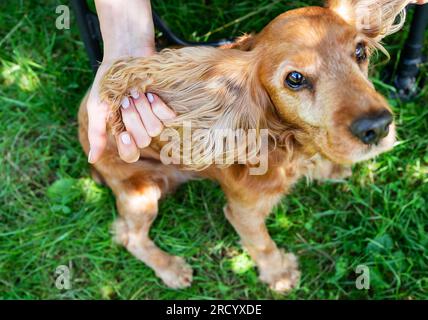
(159, 108)
(142, 118)
(97, 115)
(133, 123)
(127, 148)
(151, 122)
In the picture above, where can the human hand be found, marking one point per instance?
(127, 32)
(142, 116)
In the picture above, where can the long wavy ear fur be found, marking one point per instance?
(244, 43)
(209, 88)
(375, 18)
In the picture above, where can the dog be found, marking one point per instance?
(303, 78)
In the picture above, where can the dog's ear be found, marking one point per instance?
(375, 18)
(243, 43)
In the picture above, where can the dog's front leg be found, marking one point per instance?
(276, 268)
(137, 202)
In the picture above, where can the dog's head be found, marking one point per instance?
(314, 66)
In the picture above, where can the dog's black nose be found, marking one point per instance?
(371, 129)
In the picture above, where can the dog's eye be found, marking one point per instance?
(361, 53)
(295, 80)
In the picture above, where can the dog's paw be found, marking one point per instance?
(177, 275)
(285, 277)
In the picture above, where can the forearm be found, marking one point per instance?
(126, 28)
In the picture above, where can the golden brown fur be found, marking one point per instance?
(242, 87)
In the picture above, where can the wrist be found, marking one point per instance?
(130, 50)
(127, 30)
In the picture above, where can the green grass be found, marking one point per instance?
(51, 212)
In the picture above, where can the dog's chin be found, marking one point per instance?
(357, 152)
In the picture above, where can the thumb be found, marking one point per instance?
(97, 117)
